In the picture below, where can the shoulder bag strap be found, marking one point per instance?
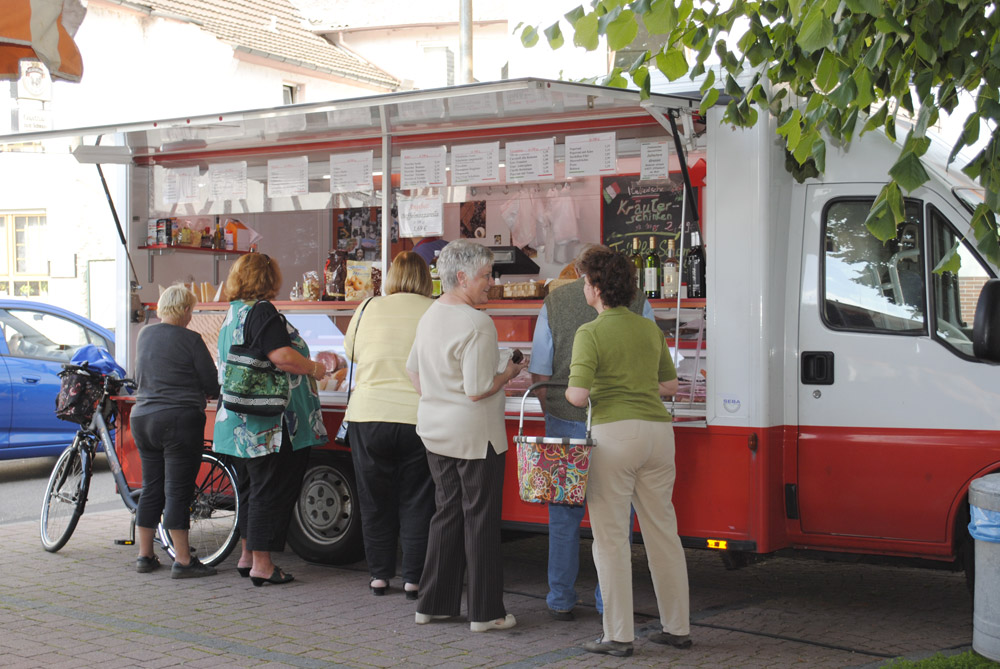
(350, 375)
(260, 331)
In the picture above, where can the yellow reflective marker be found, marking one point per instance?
(717, 543)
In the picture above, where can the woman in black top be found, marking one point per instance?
(175, 373)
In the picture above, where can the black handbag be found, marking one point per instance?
(342, 437)
(251, 384)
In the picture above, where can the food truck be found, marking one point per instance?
(836, 394)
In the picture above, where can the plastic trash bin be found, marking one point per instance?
(984, 500)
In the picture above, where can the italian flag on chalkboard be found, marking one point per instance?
(611, 192)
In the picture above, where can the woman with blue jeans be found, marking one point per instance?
(174, 374)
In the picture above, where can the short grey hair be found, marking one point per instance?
(175, 300)
(461, 255)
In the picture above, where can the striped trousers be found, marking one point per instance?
(465, 535)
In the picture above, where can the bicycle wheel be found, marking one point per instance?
(213, 533)
(65, 497)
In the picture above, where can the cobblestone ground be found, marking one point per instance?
(86, 607)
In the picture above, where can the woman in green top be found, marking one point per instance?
(622, 364)
(271, 452)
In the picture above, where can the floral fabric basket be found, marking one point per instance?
(553, 473)
(552, 470)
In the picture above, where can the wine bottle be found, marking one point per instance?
(651, 271)
(694, 265)
(637, 260)
(671, 272)
(435, 276)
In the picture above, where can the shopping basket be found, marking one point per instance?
(552, 470)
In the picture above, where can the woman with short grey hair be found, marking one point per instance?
(461, 255)
(454, 366)
(174, 375)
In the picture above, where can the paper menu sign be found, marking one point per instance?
(228, 181)
(287, 177)
(423, 168)
(421, 216)
(531, 160)
(351, 172)
(655, 161)
(591, 154)
(475, 164)
(180, 185)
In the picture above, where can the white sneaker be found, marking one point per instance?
(424, 618)
(498, 624)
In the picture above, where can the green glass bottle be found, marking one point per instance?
(638, 261)
(435, 277)
(651, 271)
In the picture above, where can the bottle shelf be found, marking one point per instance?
(165, 249)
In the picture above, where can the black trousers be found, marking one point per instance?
(465, 534)
(170, 444)
(396, 495)
(269, 486)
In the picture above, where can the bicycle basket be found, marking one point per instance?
(80, 392)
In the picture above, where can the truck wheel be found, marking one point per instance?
(326, 522)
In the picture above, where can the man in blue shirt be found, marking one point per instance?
(565, 310)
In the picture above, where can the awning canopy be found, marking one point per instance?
(34, 30)
(475, 110)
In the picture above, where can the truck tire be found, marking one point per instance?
(326, 522)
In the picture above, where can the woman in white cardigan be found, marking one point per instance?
(454, 366)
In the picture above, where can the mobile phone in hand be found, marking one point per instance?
(517, 356)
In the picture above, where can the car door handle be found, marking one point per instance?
(817, 367)
(31, 379)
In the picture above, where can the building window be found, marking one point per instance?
(288, 94)
(24, 263)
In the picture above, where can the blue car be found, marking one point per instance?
(36, 339)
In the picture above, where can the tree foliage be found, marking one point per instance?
(856, 65)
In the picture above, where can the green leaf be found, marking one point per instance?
(803, 151)
(585, 32)
(888, 24)
(984, 226)
(672, 64)
(886, 213)
(827, 71)
(529, 36)
(709, 81)
(622, 31)
(615, 79)
(708, 100)
(863, 85)
(951, 262)
(732, 88)
(845, 94)
(575, 15)
(791, 130)
(661, 18)
(872, 7)
(641, 79)
(818, 154)
(554, 34)
(816, 31)
(877, 120)
(909, 172)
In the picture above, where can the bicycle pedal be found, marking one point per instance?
(124, 542)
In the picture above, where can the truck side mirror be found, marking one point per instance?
(986, 328)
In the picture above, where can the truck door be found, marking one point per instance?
(890, 398)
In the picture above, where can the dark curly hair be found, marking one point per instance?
(610, 272)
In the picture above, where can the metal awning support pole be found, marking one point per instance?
(386, 190)
(669, 122)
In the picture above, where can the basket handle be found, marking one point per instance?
(532, 387)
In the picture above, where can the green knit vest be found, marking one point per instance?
(567, 310)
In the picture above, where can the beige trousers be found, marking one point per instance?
(633, 463)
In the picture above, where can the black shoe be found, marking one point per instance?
(277, 577)
(144, 564)
(564, 616)
(411, 594)
(193, 569)
(243, 571)
(379, 590)
(616, 648)
(667, 639)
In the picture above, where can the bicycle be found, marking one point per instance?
(214, 509)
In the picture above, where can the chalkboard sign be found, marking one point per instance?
(632, 209)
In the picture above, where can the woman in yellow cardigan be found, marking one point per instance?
(395, 489)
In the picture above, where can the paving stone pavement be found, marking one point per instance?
(86, 607)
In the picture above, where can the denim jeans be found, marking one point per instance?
(564, 533)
